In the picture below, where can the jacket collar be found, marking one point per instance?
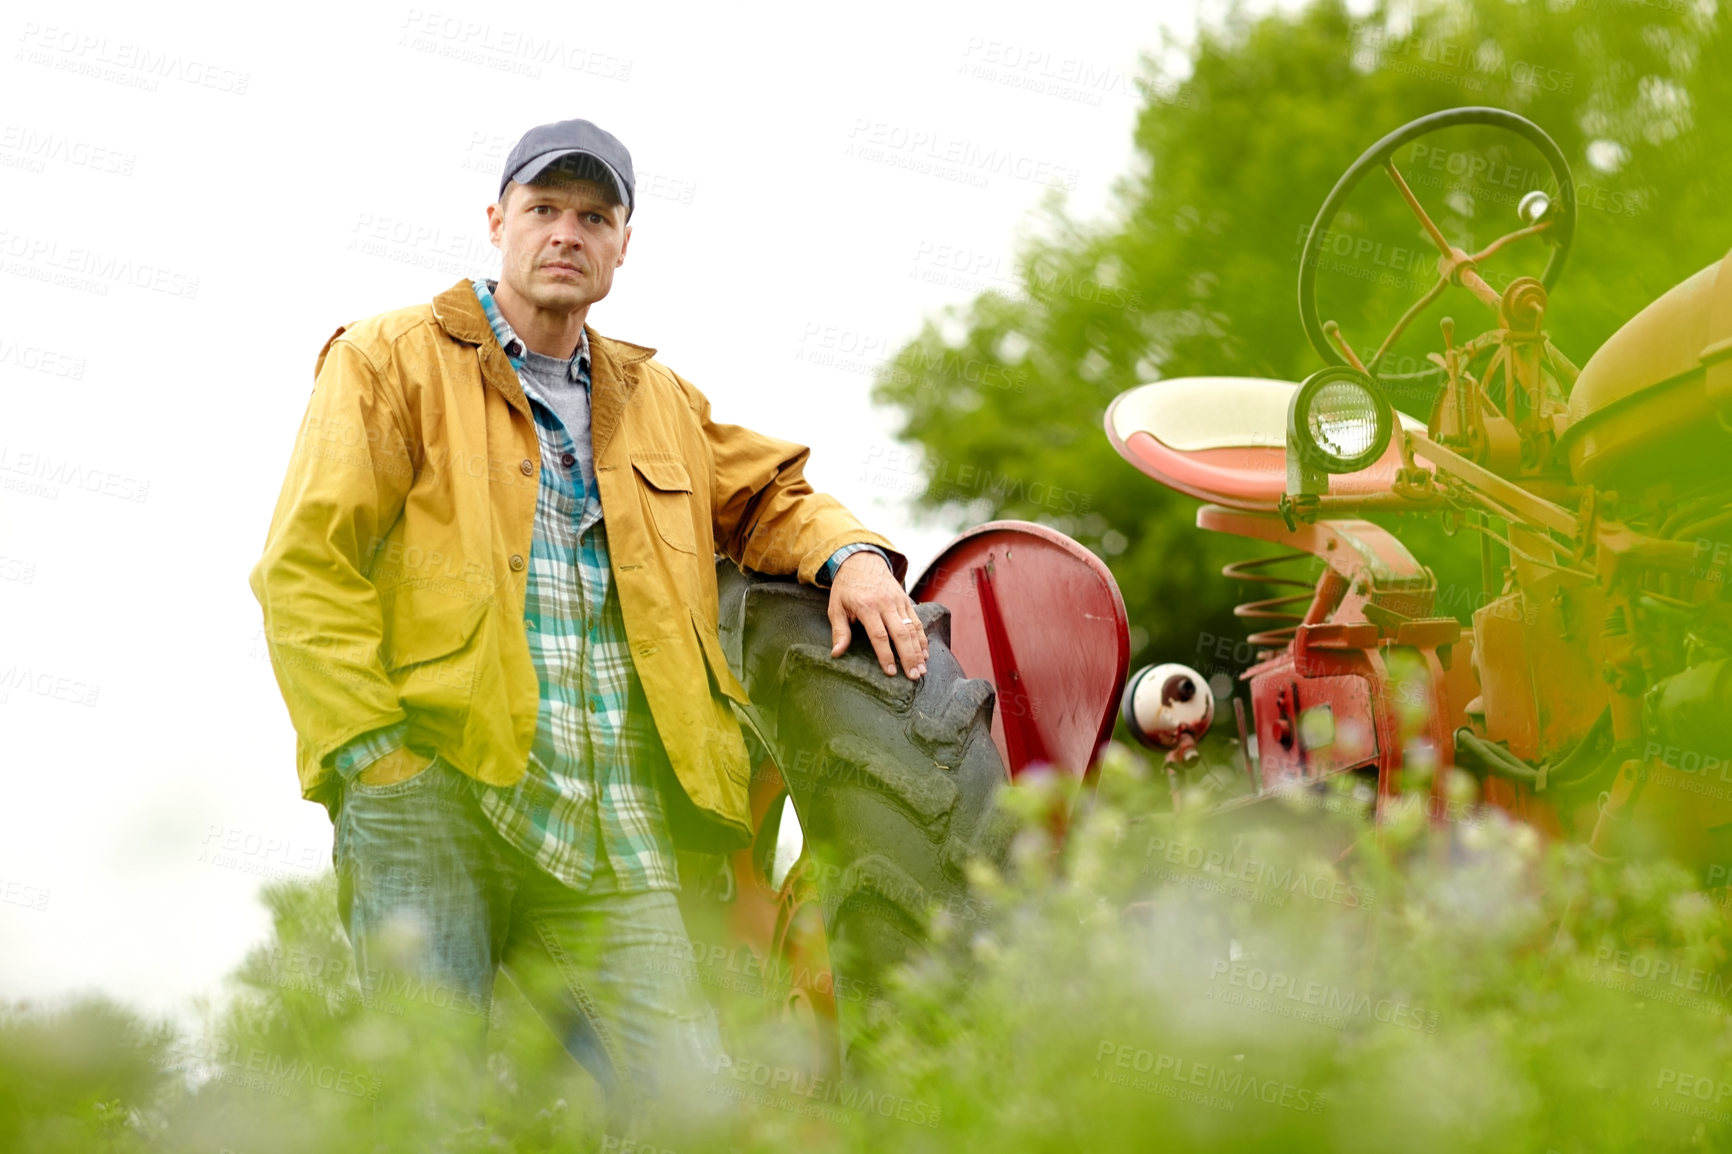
(458, 312)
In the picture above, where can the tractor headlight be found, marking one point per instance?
(1163, 704)
(1339, 421)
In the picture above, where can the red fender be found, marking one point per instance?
(1041, 618)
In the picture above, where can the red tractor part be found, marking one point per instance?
(1323, 699)
(1326, 703)
(1041, 618)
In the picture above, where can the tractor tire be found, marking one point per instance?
(894, 781)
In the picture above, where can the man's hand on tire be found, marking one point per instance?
(865, 591)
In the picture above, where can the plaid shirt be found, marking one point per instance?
(589, 809)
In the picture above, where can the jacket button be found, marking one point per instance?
(517, 562)
(528, 467)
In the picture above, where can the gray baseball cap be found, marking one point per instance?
(579, 143)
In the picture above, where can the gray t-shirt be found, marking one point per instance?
(569, 400)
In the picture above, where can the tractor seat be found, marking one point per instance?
(1224, 439)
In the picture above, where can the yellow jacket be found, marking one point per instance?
(393, 576)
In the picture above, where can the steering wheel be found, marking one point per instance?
(1557, 221)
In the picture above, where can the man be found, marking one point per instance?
(490, 595)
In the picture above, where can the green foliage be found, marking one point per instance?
(1304, 980)
(1194, 273)
(1315, 984)
(72, 1078)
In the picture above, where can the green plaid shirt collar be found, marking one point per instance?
(578, 370)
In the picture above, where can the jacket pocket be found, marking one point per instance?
(667, 490)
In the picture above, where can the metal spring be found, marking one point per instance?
(1271, 608)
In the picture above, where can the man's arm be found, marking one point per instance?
(768, 518)
(346, 484)
(827, 575)
(765, 513)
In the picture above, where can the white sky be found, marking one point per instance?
(294, 169)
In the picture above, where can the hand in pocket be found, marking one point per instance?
(398, 765)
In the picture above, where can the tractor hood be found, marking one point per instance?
(1650, 404)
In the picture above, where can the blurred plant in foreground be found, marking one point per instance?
(1289, 977)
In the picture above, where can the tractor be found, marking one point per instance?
(1591, 694)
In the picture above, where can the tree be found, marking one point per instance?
(1194, 274)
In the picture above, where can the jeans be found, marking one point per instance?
(428, 889)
